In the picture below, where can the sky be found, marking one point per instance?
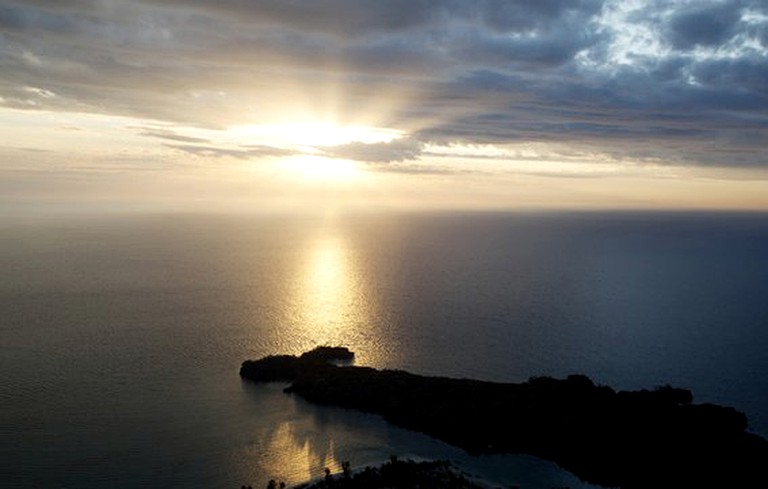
(254, 105)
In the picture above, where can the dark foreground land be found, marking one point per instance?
(395, 474)
(628, 439)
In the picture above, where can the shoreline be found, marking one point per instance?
(395, 474)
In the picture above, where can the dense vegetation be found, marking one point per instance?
(395, 474)
(635, 439)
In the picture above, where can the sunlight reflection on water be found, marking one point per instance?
(332, 298)
(298, 450)
(329, 290)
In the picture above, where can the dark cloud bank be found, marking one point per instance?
(682, 82)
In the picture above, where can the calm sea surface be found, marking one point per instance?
(121, 338)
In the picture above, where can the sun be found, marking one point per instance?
(313, 133)
(321, 168)
(309, 144)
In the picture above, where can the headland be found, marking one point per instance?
(631, 439)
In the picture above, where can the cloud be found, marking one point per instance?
(673, 79)
(703, 24)
(172, 136)
(336, 17)
(242, 152)
(421, 169)
(386, 152)
(398, 150)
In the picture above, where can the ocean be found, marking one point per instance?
(122, 335)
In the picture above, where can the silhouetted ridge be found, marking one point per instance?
(395, 474)
(275, 368)
(328, 354)
(634, 439)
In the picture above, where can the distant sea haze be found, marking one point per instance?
(122, 337)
